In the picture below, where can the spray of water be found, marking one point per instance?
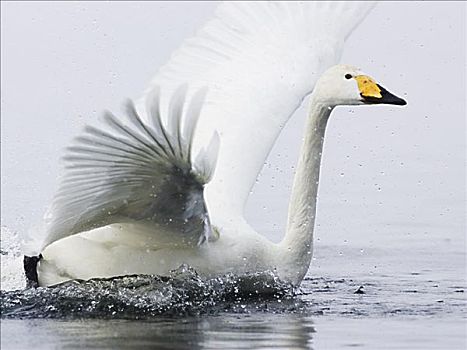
(11, 261)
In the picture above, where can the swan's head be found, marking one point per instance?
(347, 85)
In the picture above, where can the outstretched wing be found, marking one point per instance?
(259, 59)
(136, 171)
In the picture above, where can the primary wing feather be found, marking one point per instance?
(135, 171)
(259, 59)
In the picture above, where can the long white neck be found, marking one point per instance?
(297, 246)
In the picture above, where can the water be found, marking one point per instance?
(227, 331)
(417, 303)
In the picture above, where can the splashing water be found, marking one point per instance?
(11, 260)
(142, 296)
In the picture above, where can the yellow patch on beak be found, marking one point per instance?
(368, 87)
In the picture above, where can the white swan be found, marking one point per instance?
(133, 201)
(142, 178)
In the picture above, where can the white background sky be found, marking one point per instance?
(403, 168)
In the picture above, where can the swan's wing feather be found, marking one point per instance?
(133, 171)
(259, 59)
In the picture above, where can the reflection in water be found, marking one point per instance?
(259, 331)
(286, 331)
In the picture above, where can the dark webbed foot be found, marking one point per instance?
(30, 270)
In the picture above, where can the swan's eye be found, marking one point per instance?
(348, 76)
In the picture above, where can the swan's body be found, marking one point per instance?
(110, 251)
(122, 219)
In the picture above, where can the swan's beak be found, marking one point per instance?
(373, 93)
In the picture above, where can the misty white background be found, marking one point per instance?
(389, 174)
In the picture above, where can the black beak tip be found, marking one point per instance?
(400, 102)
(391, 99)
